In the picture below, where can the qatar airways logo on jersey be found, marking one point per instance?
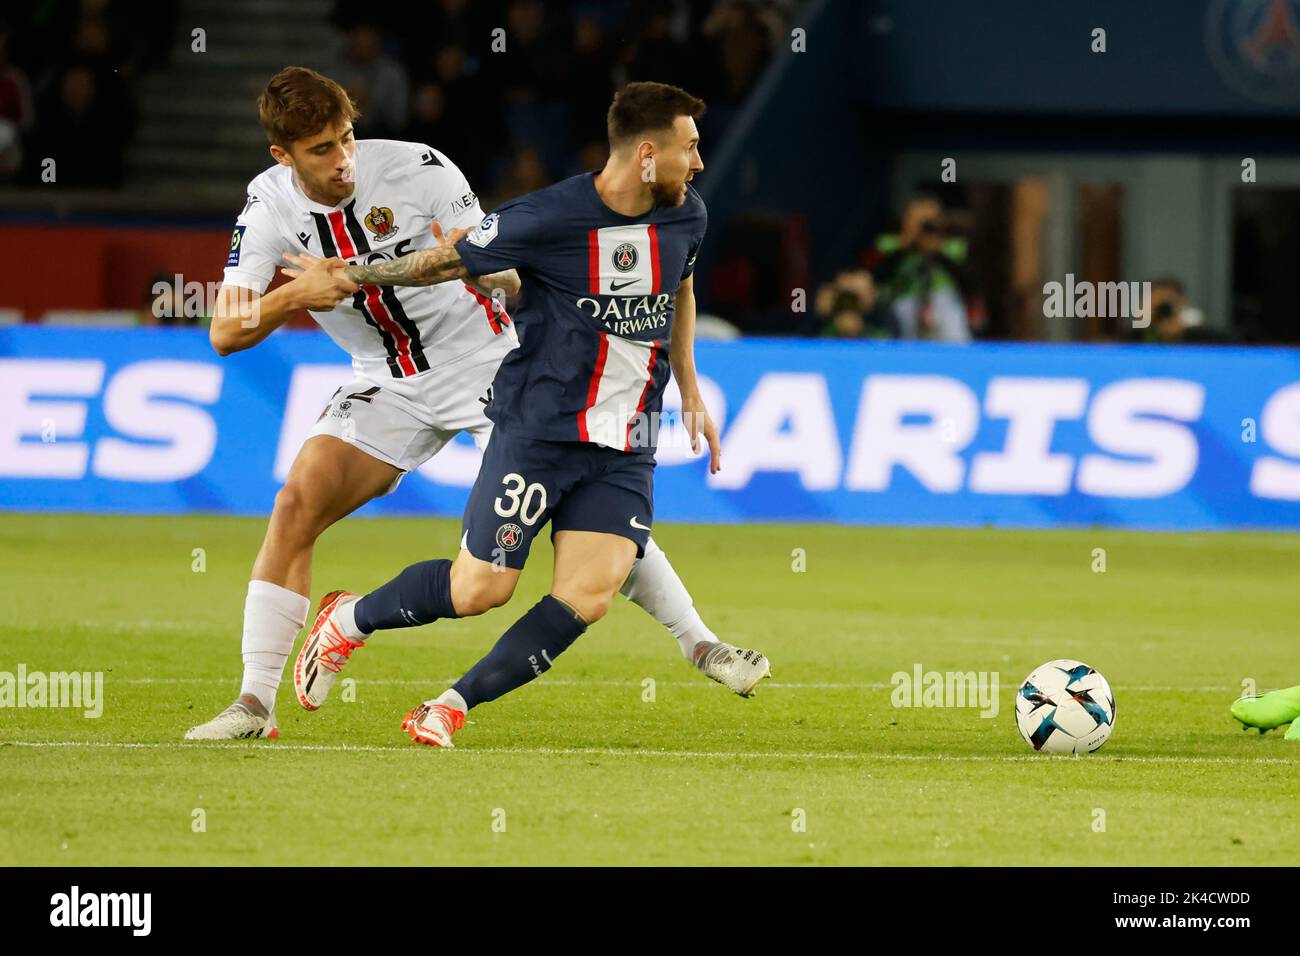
(629, 314)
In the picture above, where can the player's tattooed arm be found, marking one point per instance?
(422, 267)
(495, 285)
(505, 283)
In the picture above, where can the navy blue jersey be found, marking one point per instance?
(596, 314)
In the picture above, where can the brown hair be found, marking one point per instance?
(647, 107)
(299, 102)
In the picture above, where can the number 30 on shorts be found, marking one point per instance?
(529, 501)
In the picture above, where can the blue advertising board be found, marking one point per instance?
(1025, 435)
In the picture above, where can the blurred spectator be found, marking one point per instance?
(849, 308)
(545, 96)
(536, 56)
(15, 91)
(446, 105)
(528, 61)
(16, 112)
(94, 47)
(655, 47)
(81, 132)
(80, 55)
(741, 37)
(11, 150)
(587, 86)
(376, 82)
(1174, 320)
(429, 117)
(526, 173)
(920, 273)
(592, 157)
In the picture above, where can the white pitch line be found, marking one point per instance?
(272, 746)
(700, 683)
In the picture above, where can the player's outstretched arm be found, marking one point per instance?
(681, 359)
(422, 267)
(242, 318)
(506, 283)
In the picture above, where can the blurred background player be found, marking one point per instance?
(606, 263)
(423, 361)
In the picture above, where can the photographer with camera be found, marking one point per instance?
(1174, 321)
(920, 273)
(849, 308)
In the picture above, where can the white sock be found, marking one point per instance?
(345, 616)
(273, 616)
(452, 700)
(655, 587)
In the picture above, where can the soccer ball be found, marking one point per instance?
(1065, 707)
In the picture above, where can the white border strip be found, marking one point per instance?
(273, 745)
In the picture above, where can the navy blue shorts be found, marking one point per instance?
(576, 486)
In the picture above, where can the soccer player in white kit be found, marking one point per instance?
(423, 358)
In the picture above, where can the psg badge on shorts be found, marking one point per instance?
(510, 536)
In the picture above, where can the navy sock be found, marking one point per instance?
(523, 652)
(419, 595)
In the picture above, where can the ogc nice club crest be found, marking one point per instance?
(380, 221)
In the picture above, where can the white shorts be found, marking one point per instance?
(406, 430)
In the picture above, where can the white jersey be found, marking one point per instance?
(395, 334)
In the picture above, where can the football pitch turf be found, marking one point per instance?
(594, 764)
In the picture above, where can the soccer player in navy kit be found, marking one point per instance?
(606, 263)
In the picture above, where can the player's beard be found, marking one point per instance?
(338, 191)
(334, 190)
(668, 194)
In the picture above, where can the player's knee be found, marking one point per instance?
(591, 606)
(594, 608)
(297, 513)
(479, 593)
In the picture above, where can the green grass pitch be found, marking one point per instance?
(578, 767)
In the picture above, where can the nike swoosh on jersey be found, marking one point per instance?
(638, 525)
(615, 286)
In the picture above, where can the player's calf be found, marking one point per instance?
(589, 569)
(478, 586)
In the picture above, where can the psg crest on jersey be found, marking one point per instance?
(380, 221)
(625, 257)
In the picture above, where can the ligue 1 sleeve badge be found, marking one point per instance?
(485, 231)
(380, 221)
(236, 244)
